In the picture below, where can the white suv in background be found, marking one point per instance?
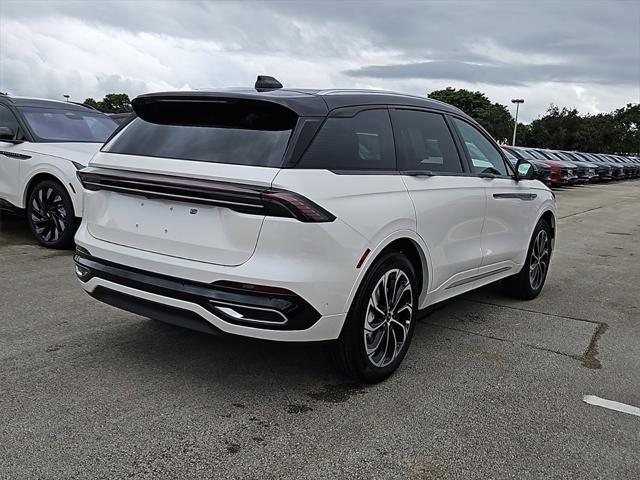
(43, 143)
(299, 215)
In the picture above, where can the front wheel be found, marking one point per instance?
(528, 283)
(379, 327)
(50, 215)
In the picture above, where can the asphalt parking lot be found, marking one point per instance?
(491, 388)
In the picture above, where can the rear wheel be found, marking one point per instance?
(50, 215)
(379, 327)
(528, 283)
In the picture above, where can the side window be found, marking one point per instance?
(8, 119)
(484, 155)
(361, 142)
(424, 142)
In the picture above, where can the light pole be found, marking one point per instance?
(517, 101)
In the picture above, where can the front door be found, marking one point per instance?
(512, 205)
(9, 159)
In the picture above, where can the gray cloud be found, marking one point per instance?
(577, 53)
(506, 74)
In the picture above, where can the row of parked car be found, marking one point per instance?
(559, 167)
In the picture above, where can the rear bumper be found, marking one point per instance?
(203, 307)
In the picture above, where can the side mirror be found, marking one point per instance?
(524, 170)
(6, 134)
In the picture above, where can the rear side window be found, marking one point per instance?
(424, 142)
(240, 133)
(361, 142)
(485, 157)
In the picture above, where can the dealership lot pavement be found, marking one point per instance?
(491, 388)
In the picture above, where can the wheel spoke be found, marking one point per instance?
(405, 307)
(405, 289)
(402, 327)
(60, 224)
(371, 351)
(385, 289)
(396, 345)
(386, 346)
(37, 205)
(374, 302)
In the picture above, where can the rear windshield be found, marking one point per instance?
(238, 134)
(61, 125)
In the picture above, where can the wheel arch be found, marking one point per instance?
(550, 218)
(41, 176)
(408, 243)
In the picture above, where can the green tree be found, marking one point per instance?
(557, 129)
(566, 129)
(92, 103)
(626, 124)
(111, 103)
(494, 117)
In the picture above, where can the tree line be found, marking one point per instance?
(558, 129)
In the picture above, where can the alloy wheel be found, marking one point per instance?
(539, 261)
(388, 318)
(48, 214)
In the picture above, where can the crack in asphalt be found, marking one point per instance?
(580, 213)
(588, 358)
(577, 319)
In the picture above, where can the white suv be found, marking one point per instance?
(43, 143)
(298, 215)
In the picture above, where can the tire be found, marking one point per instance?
(50, 215)
(350, 351)
(528, 283)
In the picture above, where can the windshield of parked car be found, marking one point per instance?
(526, 154)
(565, 156)
(65, 125)
(510, 155)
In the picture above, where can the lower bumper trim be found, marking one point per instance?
(156, 311)
(258, 310)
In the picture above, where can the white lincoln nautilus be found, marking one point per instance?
(307, 215)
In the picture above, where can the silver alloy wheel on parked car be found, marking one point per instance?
(388, 317)
(539, 261)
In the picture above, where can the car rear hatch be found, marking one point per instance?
(189, 177)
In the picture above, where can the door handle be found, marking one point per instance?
(521, 196)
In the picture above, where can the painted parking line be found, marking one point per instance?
(611, 405)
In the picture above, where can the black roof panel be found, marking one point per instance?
(307, 102)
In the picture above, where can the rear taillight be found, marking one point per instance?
(288, 204)
(239, 197)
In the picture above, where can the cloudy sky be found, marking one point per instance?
(583, 54)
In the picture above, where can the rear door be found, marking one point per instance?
(182, 180)
(512, 205)
(449, 203)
